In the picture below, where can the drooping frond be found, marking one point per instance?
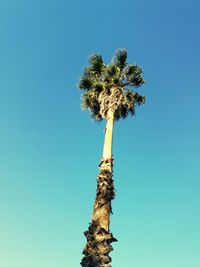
(121, 112)
(128, 104)
(85, 83)
(139, 99)
(133, 76)
(90, 101)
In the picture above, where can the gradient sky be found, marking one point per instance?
(50, 149)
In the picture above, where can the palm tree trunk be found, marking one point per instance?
(107, 149)
(98, 235)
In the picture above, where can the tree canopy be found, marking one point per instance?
(110, 86)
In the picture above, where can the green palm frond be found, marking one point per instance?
(90, 101)
(85, 83)
(129, 96)
(133, 98)
(121, 112)
(119, 58)
(130, 100)
(96, 63)
(112, 74)
(111, 70)
(131, 69)
(139, 99)
(133, 76)
(89, 98)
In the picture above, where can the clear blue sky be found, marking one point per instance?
(50, 149)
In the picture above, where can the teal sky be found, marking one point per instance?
(50, 149)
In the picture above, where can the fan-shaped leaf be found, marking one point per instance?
(119, 58)
(96, 63)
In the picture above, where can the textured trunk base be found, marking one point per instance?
(99, 237)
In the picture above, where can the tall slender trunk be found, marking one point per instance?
(107, 149)
(98, 235)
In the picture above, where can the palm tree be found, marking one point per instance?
(108, 95)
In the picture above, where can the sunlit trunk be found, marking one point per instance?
(98, 236)
(107, 149)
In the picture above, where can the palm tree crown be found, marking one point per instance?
(108, 86)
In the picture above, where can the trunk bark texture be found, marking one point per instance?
(99, 237)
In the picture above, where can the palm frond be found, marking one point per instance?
(96, 63)
(121, 112)
(119, 58)
(139, 99)
(111, 70)
(133, 75)
(85, 83)
(89, 98)
(131, 69)
(90, 101)
(96, 116)
(98, 86)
